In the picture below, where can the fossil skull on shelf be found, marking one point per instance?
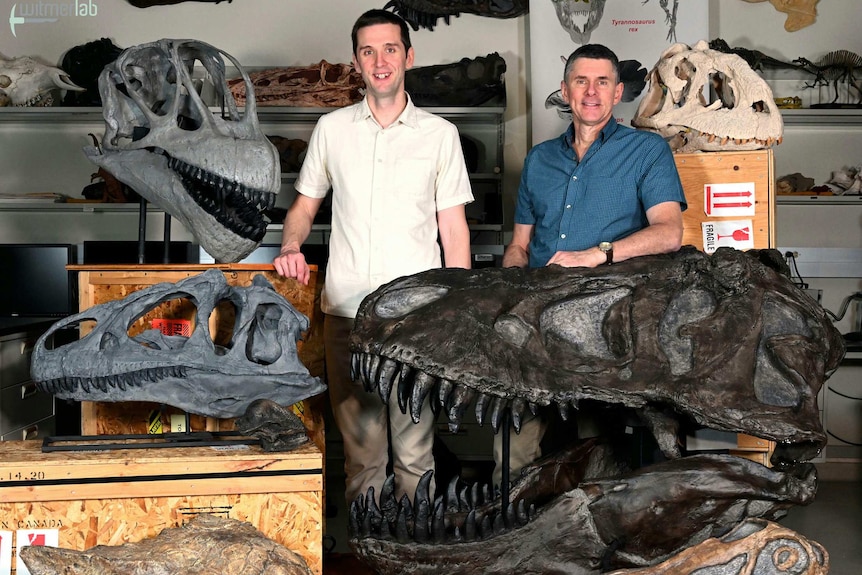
(26, 82)
(211, 371)
(215, 172)
(743, 117)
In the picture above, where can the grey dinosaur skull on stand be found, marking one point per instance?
(216, 173)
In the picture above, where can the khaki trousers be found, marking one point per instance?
(524, 447)
(366, 423)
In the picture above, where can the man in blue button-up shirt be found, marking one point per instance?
(599, 193)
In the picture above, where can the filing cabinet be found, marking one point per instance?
(25, 412)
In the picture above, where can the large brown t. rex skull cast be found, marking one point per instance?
(676, 341)
(195, 373)
(214, 173)
(744, 117)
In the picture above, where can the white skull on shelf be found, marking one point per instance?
(744, 117)
(215, 172)
(26, 82)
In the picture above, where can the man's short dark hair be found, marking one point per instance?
(596, 52)
(375, 17)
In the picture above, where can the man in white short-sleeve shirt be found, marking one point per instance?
(398, 181)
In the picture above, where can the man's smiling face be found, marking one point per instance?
(382, 60)
(591, 90)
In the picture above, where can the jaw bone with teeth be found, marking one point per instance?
(198, 374)
(215, 173)
(26, 82)
(744, 117)
(678, 342)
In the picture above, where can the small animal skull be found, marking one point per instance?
(27, 82)
(744, 117)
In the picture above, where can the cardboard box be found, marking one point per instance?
(80, 499)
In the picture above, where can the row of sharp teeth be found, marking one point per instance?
(723, 140)
(118, 381)
(260, 199)
(414, 385)
(464, 516)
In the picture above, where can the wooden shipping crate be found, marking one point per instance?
(98, 284)
(701, 169)
(87, 498)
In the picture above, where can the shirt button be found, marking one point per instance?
(563, 236)
(569, 206)
(574, 177)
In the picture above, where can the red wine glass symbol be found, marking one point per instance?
(740, 235)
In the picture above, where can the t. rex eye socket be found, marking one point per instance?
(400, 302)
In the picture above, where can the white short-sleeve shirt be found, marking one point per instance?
(387, 187)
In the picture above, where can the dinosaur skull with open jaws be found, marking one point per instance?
(743, 117)
(216, 173)
(676, 342)
(198, 373)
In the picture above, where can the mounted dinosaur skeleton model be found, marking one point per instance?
(215, 173)
(676, 342)
(744, 117)
(211, 374)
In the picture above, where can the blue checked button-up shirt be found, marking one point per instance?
(604, 197)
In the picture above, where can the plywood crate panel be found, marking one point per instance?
(105, 283)
(699, 169)
(126, 495)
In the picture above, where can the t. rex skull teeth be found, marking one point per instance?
(683, 341)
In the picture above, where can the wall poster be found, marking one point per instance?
(637, 30)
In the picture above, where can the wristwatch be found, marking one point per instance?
(608, 249)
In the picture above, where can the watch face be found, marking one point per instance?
(605, 246)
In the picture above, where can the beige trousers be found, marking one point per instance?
(366, 423)
(524, 447)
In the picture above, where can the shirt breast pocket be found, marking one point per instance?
(415, 177)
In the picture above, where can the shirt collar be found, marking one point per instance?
(607, 132)
(408, 116)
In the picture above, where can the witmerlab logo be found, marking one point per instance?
(41, 12)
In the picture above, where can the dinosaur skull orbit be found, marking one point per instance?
(26, 82)
(744, 117)
(194, 373)
(677, 342)
(216, 173)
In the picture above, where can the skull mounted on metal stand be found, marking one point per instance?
(215, 172)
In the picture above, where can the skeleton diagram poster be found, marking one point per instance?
(638, 30)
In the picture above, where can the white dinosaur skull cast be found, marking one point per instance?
(216, 173)
(26, 82)
(744, 117)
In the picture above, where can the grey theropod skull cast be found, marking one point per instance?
(676, 342)
(743, 117)
(193, 373)
(216, 173)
